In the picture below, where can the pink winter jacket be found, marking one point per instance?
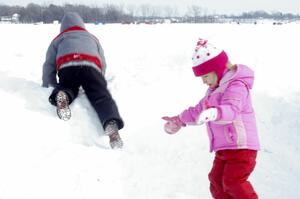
(235, 127)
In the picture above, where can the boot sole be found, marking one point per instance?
(62, 106)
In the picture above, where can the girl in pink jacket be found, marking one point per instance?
(227, 111)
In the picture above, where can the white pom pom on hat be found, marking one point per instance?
(207, 58)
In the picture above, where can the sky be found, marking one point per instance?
(149, 73)
(212, 6)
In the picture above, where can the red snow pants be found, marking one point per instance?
(229, 174)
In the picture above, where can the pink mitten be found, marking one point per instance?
(173, 124)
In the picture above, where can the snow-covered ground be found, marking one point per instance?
(149, 74)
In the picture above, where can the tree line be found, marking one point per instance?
(110, 13)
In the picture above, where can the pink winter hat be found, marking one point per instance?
(207, 58)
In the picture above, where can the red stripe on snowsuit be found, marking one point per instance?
(77, 57)
(73, 28)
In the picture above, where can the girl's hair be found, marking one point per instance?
(230, 66)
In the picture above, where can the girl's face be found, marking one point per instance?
(210, 79)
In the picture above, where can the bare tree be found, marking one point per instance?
(195, 11)
(169, 11)
(33, 13)
(131, 10)
(112, 14)
(145, 10)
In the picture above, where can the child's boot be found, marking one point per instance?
(62, 106)
(111, 129)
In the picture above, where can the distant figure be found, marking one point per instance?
(227, 111)
(76, 56)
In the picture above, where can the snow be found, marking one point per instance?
(149, 75)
